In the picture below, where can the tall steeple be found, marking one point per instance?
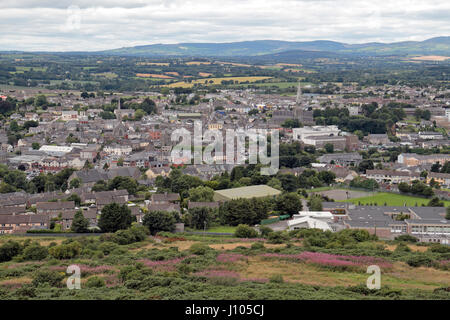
(299, 94)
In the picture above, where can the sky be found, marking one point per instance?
(91, 25)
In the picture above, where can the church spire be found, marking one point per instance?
(299, 94)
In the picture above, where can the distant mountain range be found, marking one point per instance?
(319, 48)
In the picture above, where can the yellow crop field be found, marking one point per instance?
(431, 58)
(212, 81)
(196, 63)
(289, 65)
(172, 73)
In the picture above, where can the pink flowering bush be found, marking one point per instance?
(332, 261)
(85, 270)
(230, 257)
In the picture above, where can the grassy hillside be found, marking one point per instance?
(310, 49)
(182, 266)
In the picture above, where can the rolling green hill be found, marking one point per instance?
(434, 46)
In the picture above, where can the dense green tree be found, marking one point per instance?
(115, 217)
(326, 176)
(289, 203)
(75, 183)
(435, 202)
(329, 148)
(200, 217)
(201, 194)
(365, 165)
(157, 221)
(289, 182)
(244, 211)
(79, 224)
(40, 100)
(315, 203)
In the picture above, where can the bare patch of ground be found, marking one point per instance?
(345, 194)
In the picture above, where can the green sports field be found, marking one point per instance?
(392, 199)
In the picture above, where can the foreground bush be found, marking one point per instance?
(65, 251)
(35, 252)
(95, 282)
(420, 260)
(198, 248)
(245, 231)
(47, 277)
(277, 237)
(9, 250)
(406, 238)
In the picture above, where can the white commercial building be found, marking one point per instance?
(301, 134)
(309, 223)
(55, 150)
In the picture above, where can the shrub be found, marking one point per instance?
(419, 261)
(406, 238)
(257, 245)
(401, 247)
(95, 282)
(199, 248)
(223, 281)
(277, 237)
(107, 247)
(35, 252)
(134, 272)
(265, 231)
(245, 231)
(9, 250)
(26, 291)
(276, 278)
(123, 237)
(139, 232)
(47, 277)
(317, 241)
(439, 248)
(65, 251)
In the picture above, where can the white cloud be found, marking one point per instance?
(99, 24)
